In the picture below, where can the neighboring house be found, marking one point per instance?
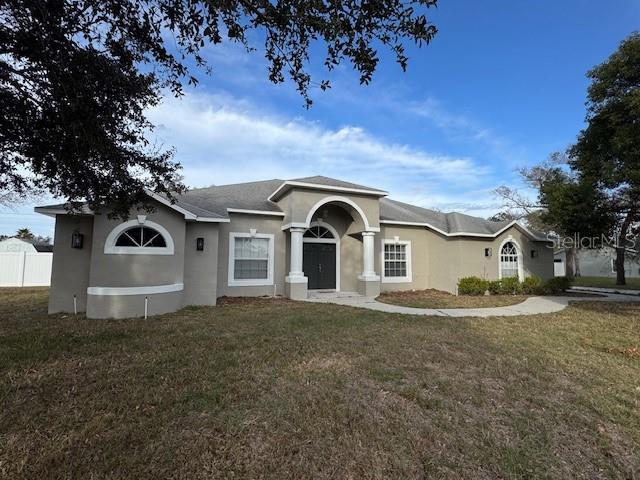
(598, 262)
(15, 244)
(24, 264)
(275, 237)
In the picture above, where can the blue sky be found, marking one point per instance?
(502, 85)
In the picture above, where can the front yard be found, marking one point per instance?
(280, 389)
(633, 283)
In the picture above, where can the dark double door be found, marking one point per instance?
(319, 265)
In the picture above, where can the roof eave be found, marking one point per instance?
(468, 234)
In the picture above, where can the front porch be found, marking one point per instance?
(332, 251)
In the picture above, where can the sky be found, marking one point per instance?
(501, 87)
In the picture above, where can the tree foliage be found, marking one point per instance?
(607, 153)
(24, 234)
(565, 205)
(77, 76)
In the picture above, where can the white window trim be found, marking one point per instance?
(110, 243)
(520, 258)
(335, 240)
(406, 279)
(249, 282)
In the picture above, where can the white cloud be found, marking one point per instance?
(221, 139)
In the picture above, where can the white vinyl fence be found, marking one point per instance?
(25, 269)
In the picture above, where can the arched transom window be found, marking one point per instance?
(318, 231)
(509, 260)
(139, 237)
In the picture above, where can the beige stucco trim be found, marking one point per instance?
(212, 220)
(340, 199)
(255, 212)
(150, 290)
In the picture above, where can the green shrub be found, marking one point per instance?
(472, 286)
(556, 285)
(506, 286)
(531, 286)
(510, 286)
(494, 287)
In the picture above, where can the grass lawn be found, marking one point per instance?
(280, 389)
(607, 282)
(439, 299)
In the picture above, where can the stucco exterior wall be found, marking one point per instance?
(71, 266)
(140, 270)
(201, 267)
(420, 252)
(109, 270)
(263, 224)
(127, 306)
(439, 262)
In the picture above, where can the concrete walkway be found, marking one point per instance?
(531, 306)
(619, 291)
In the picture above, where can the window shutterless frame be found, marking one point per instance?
(250, 282)
(110, 247)
(407, 278)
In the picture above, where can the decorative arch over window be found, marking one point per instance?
(139, 237)
(510, 260)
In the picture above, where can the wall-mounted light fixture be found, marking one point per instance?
(200, 244)
(77, 239)
(534, 253)
(488, 252)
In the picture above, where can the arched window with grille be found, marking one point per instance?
(139, 237)
(510, 260)
(318, 231)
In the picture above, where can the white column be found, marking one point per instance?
(295, 270)
(368, 270)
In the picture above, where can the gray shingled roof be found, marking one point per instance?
(247, 196)
(85, 210)
(332, 182)
(454, 222)
(213, 202)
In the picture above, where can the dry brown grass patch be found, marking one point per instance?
(277, 389)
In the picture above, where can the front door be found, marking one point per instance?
(319, 265)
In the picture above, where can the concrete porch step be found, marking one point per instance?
(327, 295)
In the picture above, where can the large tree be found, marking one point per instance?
(608, 149)
(76, 77)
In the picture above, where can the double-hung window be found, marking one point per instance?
(250, 259)
(396, 261)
